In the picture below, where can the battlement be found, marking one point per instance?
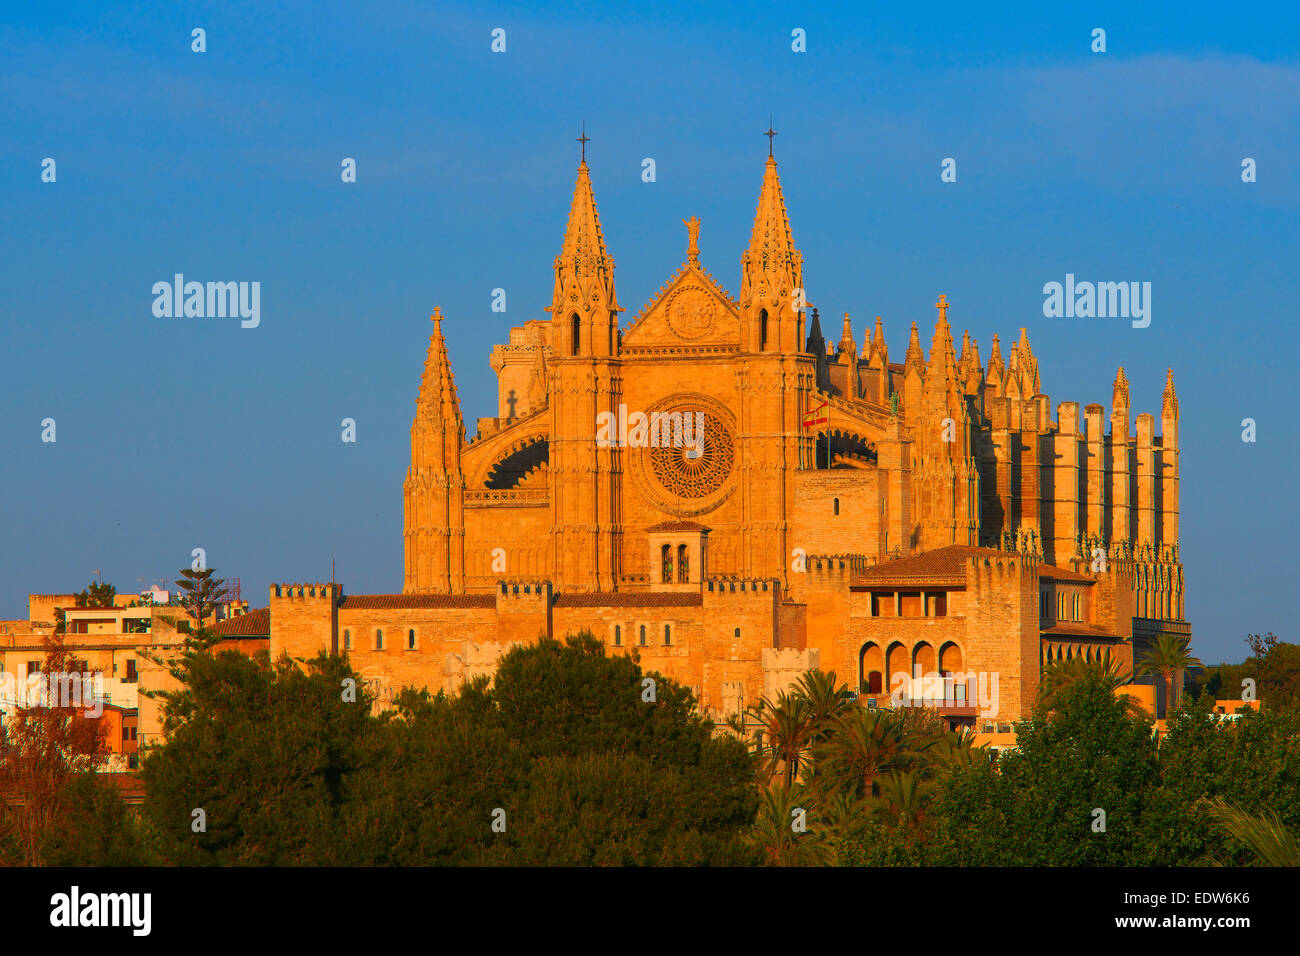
(790, 658)
(983, 571)
(307, 592)
(737, 585)
(523, 590)
(835, 562)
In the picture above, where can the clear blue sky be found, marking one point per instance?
(183, 433)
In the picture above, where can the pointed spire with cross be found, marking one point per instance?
(769, 134)
(584, 139)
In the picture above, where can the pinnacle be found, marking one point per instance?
(771, 253)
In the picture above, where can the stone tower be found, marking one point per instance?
(435, 485)
(946, 480)
(775, 379)
(585, 480)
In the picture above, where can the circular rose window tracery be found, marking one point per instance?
(701, 465)
(690, 475)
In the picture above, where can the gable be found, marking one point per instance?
(691, 311)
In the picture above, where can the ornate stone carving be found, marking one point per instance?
(692, 312)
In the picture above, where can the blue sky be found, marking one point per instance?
(183, 433)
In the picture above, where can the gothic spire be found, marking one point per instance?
(847, 346)
(771, 267)
(943, 359)
(584, 275)
(438, 403)
(914, 356)
(1119, 398)
(1169, 405)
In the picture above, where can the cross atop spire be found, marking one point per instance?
(769, 134)
(584, 139)
(942, 306)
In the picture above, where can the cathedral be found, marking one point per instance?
(824, 506)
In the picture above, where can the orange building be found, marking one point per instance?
(715, 486)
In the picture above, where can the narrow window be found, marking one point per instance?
(683, 567)
(666, 564)
(576, 329)
(347, 640)
(618, 635)
(379, 640)
(643, 635)
(762, 331)
(668, 634)
(837, 505)
(738, 632)
(410, 639)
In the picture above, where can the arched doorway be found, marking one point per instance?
(871, 669)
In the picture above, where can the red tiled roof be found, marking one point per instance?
(1075, 629)
(678, 526)
(404, 602)
(631, 599)
(940, 566)
(252, 624)
(1054, 573)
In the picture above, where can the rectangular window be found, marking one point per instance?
(131, 674)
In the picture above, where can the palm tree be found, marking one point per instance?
(787, 729)
(865, 742)
(826, 698)
(1272, 843)
(1170, 655)
(956, 750)
(1059, 675)
(904, 796)
(774, 830)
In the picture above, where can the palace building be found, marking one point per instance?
(831, 507)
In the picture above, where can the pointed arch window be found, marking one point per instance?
(762, 331)
(683, 565)
(575, 333)
(666, 564)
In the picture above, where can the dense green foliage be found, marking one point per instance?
(561, 760)
(570, 757)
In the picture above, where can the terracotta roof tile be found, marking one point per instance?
(678, 526)
(403, 602)
(631, 599)
(940, 566)
(252, 624)
(1054, 573)
(1075, 629)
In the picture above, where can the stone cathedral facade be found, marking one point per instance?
(832, 508)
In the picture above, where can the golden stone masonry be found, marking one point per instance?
(841, 510)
